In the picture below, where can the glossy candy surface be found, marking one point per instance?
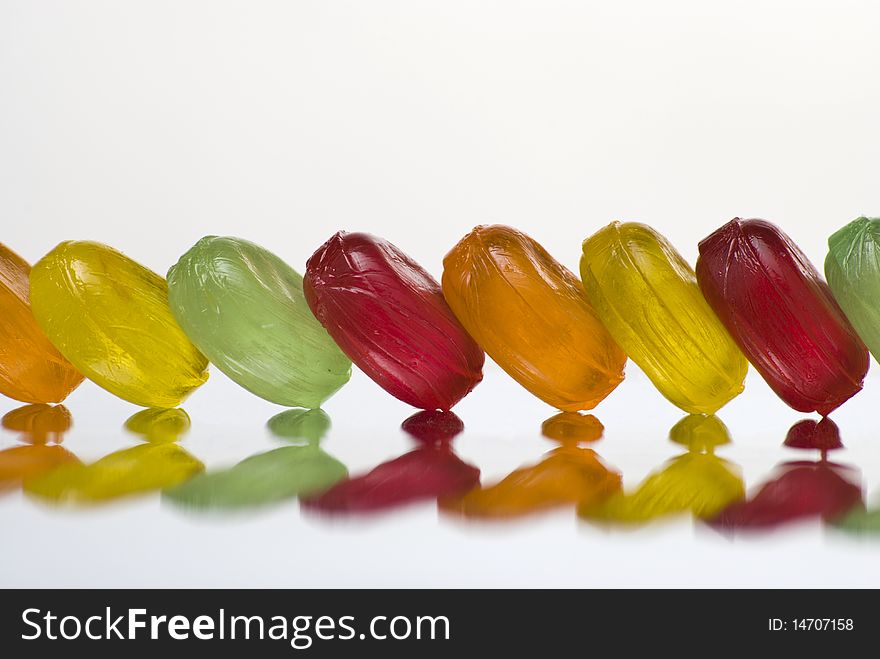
(648, 298)
(389, 316)
(31, 369)
(852, 268)
(109, 316)
(782, 314)
(244, 308)
(532, 316)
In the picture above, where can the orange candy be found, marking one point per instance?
(31, 369)
(531, 315)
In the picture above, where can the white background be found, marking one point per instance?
(146, 125)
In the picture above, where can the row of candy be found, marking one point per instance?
(697, 482)
(87, 310)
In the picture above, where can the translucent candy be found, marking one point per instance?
(389, 316)
(31, 369)
(532, 316)
(244, 308)
(109, 316)
(782, 315)
(648, 298)
(852, 268)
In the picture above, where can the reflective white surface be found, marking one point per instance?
(151, 123)
(145, 542)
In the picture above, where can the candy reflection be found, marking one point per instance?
(428, 472)
(159, 425)
(566, 476)
(138, 470)
(271, 477)
(39, 423)
(698, 482)
(36, 425)
(799, 490)
(300, 425)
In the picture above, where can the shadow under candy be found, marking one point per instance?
(36, 426)
(697, 483)
(271, 477)
(567, 476)
(799, 490)
(430, 471)
(132, 471)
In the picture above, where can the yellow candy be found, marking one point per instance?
(648, 298)
(698, 482)
(137, 470)
(109, 316)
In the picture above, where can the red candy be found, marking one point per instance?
(782, 314)
(389, 316)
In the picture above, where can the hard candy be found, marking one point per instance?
(648, 298)
(782, 315)
(389, 316)
(109, 316)
(31, 369)
(852, 268)
(244, 308)
(532, 316)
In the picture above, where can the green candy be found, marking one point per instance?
(852, 269)
(244, 308)
(262, 479)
